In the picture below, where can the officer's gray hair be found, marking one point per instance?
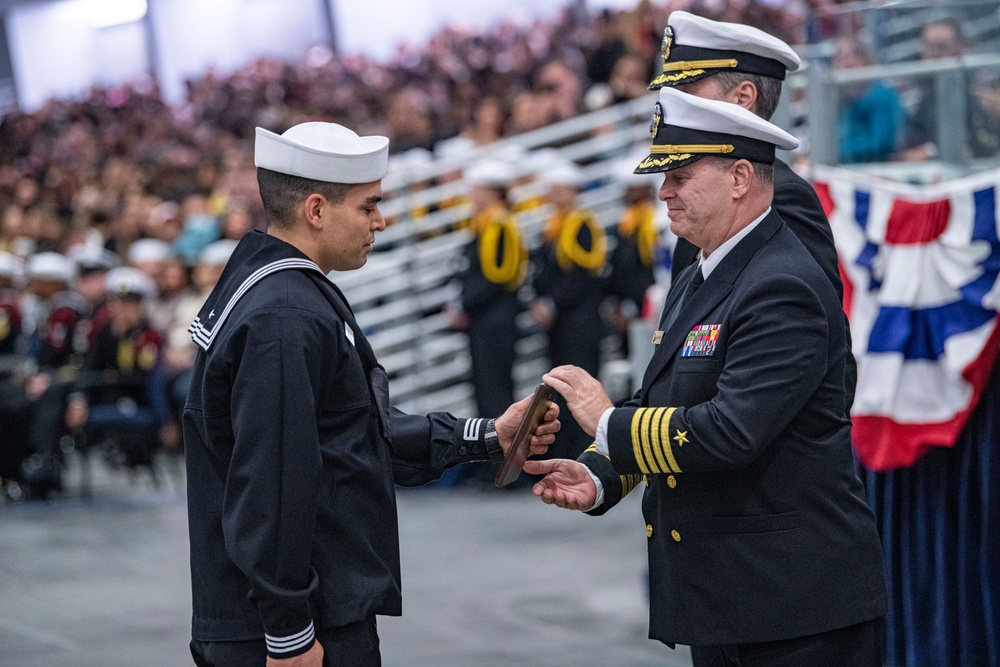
(768, 90)
(282, 193)
(764, 173)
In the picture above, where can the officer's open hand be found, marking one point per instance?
(584, 395)
(506, 425)
(566, 484)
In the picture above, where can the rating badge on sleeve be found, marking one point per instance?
(701, 340)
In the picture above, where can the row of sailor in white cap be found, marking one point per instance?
(145, 254)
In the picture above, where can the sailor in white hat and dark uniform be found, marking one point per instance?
(762, 549)
(570, 284)
(743, 65)
(638, 246)
(292, 448)
(120, 392)
(497, 263)
(54, 319)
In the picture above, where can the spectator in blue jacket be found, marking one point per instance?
(871, 117)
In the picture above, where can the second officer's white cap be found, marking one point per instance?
(695, 47)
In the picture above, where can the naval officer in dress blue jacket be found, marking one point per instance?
(762, 550)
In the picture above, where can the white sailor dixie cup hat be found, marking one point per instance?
(491, 173)
(694, 48)
(686, 128)
(322, 152)
(51, 266)
(126, 281)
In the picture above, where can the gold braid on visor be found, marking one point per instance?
(670, 149)
(679, 65)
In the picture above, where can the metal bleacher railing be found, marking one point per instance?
(399, 295)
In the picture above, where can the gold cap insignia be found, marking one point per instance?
(654, 123)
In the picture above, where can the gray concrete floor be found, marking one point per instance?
(489, 579)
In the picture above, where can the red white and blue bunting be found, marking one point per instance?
(920, 266)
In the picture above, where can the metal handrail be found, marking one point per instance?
(914, 68)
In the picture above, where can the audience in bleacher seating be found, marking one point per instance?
(111, 159)
(125, 177)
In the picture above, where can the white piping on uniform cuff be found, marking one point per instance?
(291, 642)
(472, 428)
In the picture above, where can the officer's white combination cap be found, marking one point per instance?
(694, 48)
(51, 266)
(686, 128)
(125, 280)
(322, 152)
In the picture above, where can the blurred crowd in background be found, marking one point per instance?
(122, 180)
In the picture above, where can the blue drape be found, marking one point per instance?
(940, 528)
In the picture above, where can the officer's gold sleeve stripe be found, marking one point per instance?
(656, 438)
(647, 461)
(665, 442)
(593, 448)
(647, 441)
(637, 440)
(629, 482)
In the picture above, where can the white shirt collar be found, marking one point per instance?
(709, 263)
